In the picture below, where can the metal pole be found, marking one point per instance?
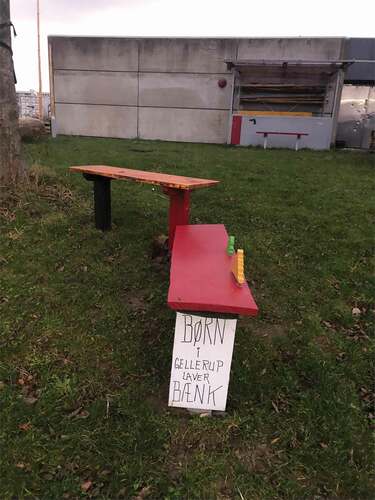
(40, 96)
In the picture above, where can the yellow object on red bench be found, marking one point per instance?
(238, 266)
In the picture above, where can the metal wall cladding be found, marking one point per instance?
(360, 49)
(369, 128)
(356, 122)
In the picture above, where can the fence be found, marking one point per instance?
(28, 104)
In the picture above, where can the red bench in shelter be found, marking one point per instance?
(297, 134)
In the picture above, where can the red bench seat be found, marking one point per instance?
(200, 275)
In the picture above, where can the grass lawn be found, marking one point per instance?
(86, 335)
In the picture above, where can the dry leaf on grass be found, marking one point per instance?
(143, 493)
(86, 485)
(25, 427)
(79, 413)
(30, 400)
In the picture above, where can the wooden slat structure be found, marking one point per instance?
(285, 85)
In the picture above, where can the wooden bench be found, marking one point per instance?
(177, 187)
(200, 275)
(297, 134)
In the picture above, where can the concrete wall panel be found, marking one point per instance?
(188, 125)
(87, 87)
(108, 54)
(186, 55)
(96, 121)
(302, 49)
(184, 91)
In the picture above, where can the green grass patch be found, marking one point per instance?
(86, 335)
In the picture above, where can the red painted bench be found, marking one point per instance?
(297, 134)
(177, 187)
(200, 275)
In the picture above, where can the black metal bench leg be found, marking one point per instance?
(102, 201)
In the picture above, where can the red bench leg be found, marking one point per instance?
(179, 207)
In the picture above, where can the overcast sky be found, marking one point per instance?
(168, 18)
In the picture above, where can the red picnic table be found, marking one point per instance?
(177, 187)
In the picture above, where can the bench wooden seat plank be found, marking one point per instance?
(177, 187)
(167, 180)
(200, 275)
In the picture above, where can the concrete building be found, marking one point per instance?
(190, 89)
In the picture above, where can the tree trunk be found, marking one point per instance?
(11, 165)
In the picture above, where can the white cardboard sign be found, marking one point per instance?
(202, 356)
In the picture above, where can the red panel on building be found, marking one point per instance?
(236, 129)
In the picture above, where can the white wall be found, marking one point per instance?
(100, 87)
(96, 121)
